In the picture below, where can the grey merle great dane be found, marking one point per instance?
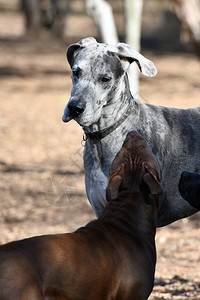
(102, 104)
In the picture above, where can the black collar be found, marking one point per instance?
(99, 135)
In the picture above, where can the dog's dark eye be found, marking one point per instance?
(76, 72)
(104, 79)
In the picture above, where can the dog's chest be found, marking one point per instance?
(97, 169)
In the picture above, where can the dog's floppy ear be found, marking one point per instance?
(152, 178)
(127, 55)
(72, 50)
(113, 187)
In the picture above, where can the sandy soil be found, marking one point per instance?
(41, 172)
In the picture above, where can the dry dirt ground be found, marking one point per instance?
(41, 173)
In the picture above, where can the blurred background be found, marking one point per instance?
(41, 170)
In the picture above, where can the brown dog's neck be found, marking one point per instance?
(134, 215)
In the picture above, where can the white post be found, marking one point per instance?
(103, 16)
(133, 19)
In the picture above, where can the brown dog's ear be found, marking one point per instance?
(113, 187)
(152, 178)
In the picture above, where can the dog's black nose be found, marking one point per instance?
(75, 109)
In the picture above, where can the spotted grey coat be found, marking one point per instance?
(102, 104)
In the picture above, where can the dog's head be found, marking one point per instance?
(134, 167)
(189, 188)
(98, 73)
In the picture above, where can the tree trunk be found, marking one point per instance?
(133, 17)
(31, 10)
(103, 16)
(188, 13)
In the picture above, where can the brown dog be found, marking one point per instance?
(110, 258)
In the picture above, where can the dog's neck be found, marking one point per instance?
(131, 212)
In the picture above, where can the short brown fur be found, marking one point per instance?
(110, 258)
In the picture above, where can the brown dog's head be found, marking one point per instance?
(134, 166)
